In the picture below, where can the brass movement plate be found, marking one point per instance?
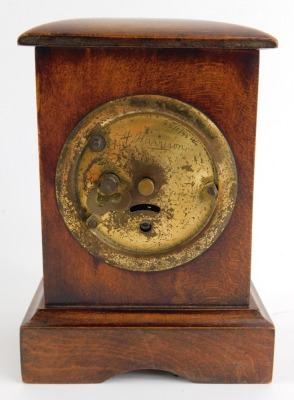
(146, 183)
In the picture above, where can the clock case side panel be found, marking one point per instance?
(71, 82)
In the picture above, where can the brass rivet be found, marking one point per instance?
(146, 187)
(92, 224)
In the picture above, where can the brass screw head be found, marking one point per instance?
(97, 142)
(108, 183)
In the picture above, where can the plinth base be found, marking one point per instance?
(88, 345)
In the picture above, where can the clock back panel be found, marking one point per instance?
(220, 83)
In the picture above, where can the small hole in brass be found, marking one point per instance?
(145, 226)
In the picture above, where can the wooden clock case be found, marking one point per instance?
(203, 320)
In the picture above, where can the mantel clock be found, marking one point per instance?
(146, 139)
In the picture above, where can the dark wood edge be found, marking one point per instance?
(154, 33)
(226, 317)
(77, 41)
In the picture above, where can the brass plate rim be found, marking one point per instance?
(203, 127)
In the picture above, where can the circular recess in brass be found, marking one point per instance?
(161, 191)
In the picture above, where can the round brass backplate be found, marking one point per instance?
(146, 183)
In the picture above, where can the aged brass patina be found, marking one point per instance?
(146, 187)
(146, 182)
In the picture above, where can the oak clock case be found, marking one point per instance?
(146, 138)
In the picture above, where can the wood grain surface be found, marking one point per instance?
(90, 320)
(73, 345)
(159, 33)
(220, 83)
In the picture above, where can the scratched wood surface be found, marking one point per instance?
(71, 82)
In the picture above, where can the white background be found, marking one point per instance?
(272, 261)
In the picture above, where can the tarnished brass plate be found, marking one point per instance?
(146, 182)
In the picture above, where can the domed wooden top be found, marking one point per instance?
(160, 33)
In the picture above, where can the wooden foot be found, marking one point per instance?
(88, 345)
